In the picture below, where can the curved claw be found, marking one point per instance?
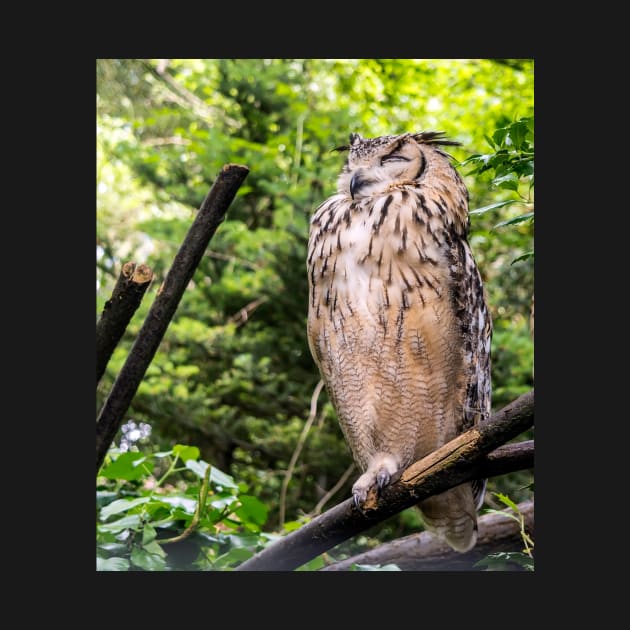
(359, 499)
(382, 479)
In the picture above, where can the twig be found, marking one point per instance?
(203, 495)
(331, 493)
(462, 459)
(130, 288)
(210, 215)
(187, 99)
(243, 315)
(298, 450)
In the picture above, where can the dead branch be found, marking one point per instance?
(210, 215)
(462, 459)
(130, 288)
(426, 552)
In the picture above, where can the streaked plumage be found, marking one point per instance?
(397, 320)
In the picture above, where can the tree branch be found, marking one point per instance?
(210, 215)
(426, 552)
(462, 459)
(130, 288)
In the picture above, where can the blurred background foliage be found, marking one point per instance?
(233, 375)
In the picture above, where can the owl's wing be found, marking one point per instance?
(476, 326)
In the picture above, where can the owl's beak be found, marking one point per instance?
(356, 183)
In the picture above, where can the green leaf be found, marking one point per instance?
(493, 206)
(499, 136)
(147, 561)
(507, 501)
(520, 219)
(236, 555)
(313, 565)
(127, 522)
(113, 547)
(199, 468)
(524, 256)
(186, 504)
(104, 497)
(148, 534)
(162, 454)
(252, 510)
(128, 466)
(250, 541)
(223, 500)
(518, 132)
(186, 453)
(112, 564)
(219, 478)
(154, 547)
(509, 181)
(122, 505)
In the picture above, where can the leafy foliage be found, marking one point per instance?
(505, 560)
(234, 375)
(209, 519)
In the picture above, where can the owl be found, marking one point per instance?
(398, 323)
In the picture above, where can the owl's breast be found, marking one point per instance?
(391, 251)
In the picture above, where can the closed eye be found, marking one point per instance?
(394, 157)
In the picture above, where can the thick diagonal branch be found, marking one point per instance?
(130, 288)
(460, 460)
(210, 215)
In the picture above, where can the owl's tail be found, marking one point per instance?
(452, 516)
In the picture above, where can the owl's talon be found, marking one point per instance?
(382, 479)
(359, 499)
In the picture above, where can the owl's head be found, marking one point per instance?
(376, 165)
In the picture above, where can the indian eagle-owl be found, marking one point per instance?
(397, 320)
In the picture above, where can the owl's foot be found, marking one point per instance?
(378, 474)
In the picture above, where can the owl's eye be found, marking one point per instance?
(394, 157)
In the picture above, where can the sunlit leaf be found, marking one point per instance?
(506, 500)
(148, 534)
(186, 453)
(199, 468)
(124, 523)
(219, 478)
(154, 547)
(112, 564)
(122, 505)
(147, 561)
(128, 466)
